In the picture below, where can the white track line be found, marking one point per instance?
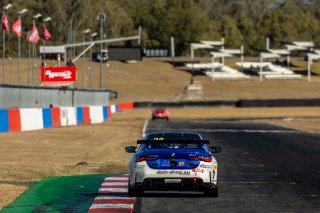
(111, 206)
(116, 190)
(114, 198)
(115, 178)
(245, 131)
(115, 184)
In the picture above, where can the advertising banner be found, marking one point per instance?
(58, 74)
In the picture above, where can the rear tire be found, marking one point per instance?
(212, 192)
(134, 191)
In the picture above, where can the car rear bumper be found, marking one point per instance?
(143, 175)
(160, 117)
(186, 184)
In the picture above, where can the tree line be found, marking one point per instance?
(246, 22)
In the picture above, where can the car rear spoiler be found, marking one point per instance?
(173, 141)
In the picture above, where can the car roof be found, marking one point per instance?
(160, 109)
(174, 136)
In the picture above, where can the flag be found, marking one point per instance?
(45, 34)
(5, 25)
(16, 27)
(34, 35)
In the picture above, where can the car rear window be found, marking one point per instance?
(160, 110)
(173, 136)
(166, 145)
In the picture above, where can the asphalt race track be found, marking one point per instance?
(262, 168)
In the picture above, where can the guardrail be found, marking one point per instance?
(233, 103)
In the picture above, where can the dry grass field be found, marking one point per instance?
(160, 81)
(30, 156)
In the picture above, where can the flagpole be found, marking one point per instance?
(4, 29)
(3, 56)
(19, 40)
(3, 51)
(44, 58)
(32, 63)
(29, 63)
(32, 60)
(19, 33)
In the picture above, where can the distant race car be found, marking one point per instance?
(160, 113)
(173, 161)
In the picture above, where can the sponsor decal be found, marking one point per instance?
(198, 170)
(172, 172)
(140, 166)
(181, 163)
(165, 163)
(205, 166)
(57, 74)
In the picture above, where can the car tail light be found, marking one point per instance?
(140, 159)
(201, 158)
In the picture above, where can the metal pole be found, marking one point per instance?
(74, 41)
(10, 71)
(32, 63)
(309, 68)
(172, 51)
(139, 40)
(44, 62)
(260, 72)
(101, 47)
(44, 52)
(91, 66)
(29, 64)
(83, 66)
(241, 57)
(212, 62)
(192, 59)
(3, 53)
(19, 41)
(70, 39)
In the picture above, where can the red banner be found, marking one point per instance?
(58, 74)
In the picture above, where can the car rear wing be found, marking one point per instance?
(173, 141)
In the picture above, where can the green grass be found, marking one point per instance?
(59, 194)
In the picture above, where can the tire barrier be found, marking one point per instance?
(234, 103)
(147, 104)
(279, 103)
(27, 119)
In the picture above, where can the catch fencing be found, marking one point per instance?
(17, 96)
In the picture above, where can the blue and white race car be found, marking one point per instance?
(173, 161)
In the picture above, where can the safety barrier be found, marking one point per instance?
(26, 119)
(233, 103)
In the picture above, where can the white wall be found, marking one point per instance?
(31, 119)
(68, 116)
(96, 114)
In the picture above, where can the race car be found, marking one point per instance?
(160, 113)
(173, 161)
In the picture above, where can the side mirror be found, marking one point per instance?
(130, 149)
(215, 149)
